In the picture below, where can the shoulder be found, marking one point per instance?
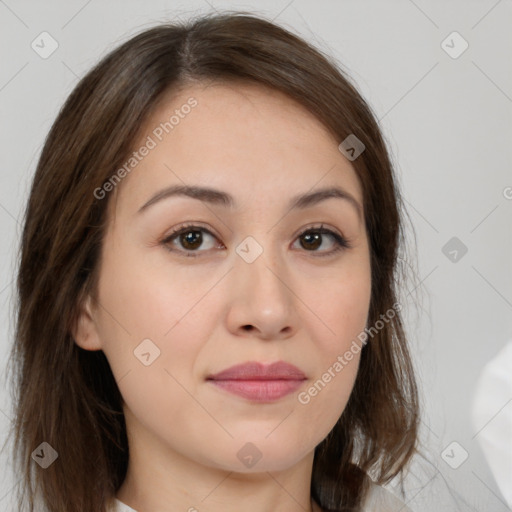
(380, 499)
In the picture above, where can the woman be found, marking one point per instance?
(207, 312)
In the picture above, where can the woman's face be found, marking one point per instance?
(251, 279)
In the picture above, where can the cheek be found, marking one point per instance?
(146, 296)
(345, 309)
(173, 314)
(143, 301)
(343, 304)
(337, 358)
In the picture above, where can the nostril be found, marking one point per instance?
(247, 327)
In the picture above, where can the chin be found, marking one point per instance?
(251, 457)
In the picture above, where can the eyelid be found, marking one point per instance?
(190, 226)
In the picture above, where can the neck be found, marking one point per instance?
(161, 479)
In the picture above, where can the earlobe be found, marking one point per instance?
(84, 330)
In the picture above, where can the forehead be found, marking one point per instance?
(251, 141)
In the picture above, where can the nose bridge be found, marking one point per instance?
(263, 270)
(263, 299)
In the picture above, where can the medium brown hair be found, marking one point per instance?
(68, 396)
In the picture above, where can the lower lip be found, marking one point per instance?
(259, 390)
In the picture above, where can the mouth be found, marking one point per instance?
(259, 382)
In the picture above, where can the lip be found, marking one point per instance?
(259, 382)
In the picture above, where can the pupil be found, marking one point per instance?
(316, 238)
(191, 239)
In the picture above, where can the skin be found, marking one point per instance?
(184, 433)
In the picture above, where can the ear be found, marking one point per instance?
(84, 331)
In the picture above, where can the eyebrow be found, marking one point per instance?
(218, 197)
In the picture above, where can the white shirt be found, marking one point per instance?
(379, 500)
(492, 417)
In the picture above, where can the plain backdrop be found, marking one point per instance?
(447, 118)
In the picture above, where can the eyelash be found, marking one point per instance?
(341, 242)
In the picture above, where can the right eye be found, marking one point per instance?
(187, 239)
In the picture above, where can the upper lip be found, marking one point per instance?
(254, 370)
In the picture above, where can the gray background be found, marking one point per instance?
(448, 124)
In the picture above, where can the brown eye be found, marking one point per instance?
(312, 239)
(189, 240)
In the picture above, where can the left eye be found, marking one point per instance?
(314, 238)
(191, 238)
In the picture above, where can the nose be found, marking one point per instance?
(262, 303)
